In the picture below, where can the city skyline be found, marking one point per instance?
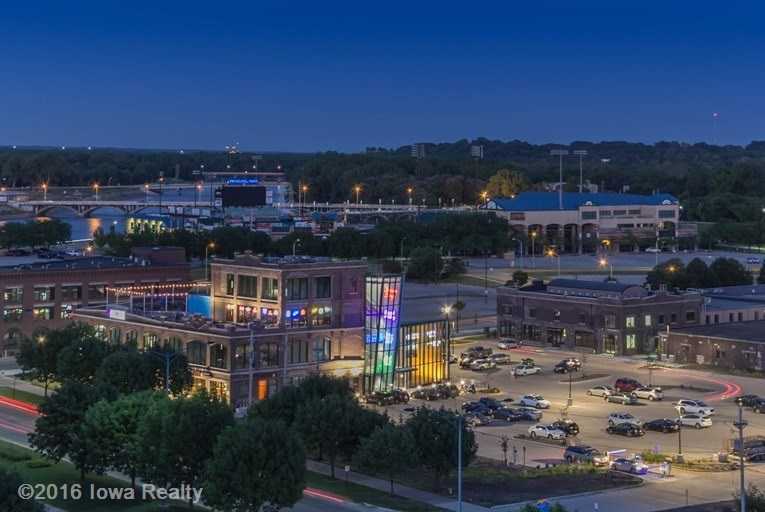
(343, 77)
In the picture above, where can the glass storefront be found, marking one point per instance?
(423, 356)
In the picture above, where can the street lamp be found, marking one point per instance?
(95, 187)
(740, 424)
(554, 254)
(533, 249)
(560, 153)
(357, 189)
(409, 191)
(210, 245)
(603, 262)
(146, 192)
(581, 153)
(196, 194)
(45, 191)
(294, 246)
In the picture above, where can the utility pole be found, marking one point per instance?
(581, 153)
(740, 424)
(459, 463)
(560, 153)
(252, 365)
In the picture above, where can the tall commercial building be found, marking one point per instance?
(418, 150)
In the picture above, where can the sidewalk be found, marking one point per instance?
(406, 492)
(7, 380)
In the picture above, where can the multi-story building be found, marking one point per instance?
(42, 295)
(595, 316)
(583, 222)
(269, 322)
(287, 316)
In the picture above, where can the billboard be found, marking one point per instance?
(243, 196)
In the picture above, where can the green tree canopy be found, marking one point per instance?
(255, 463)
(390, 450)
(81, 357)
(425, 263)
(506, 183)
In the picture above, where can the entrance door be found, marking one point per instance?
(609, 344)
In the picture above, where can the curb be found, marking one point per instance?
(521, 504)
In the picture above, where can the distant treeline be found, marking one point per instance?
(715, 183)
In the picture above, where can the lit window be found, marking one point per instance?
(648, 321)
(630, 321)
(630, 342)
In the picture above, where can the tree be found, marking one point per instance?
(175, 438)
(113, 429)
(700, 275)
(39, 355)
(255, 463)
(506, 183)
(389, 450)
(80, 359)
(755, 499)
(520, 278)
(125, 371)
(730, 272)
(58, 431)
(10, 482)
(671, 273)
(435, 439)
(335, 425)
(425, 263)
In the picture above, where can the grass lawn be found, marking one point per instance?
(362, 494)
(24, 396)
(34, 469)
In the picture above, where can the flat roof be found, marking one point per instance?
(75, 263)
(753, 331)
(546, 201)
(601, 286)
(725, 303)
(251, 260)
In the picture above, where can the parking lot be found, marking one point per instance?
(591, 413)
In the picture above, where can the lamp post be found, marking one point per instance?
(95, 188)
(553, 254)
(146, 192)
(294, 246)
(560, 153)
(196, 194)
(45, 191)
(161, 181)
(533, 249)
(581, 153)
(209, 246)
(167, 357)
(603, 262)
(740, 424)
(570, 400)
(303, 190)
(409, 191)
(357, 189)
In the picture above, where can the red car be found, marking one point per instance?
(626, 385)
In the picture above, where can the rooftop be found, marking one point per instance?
(726, 303)
(743, 291)
(605, 286)
(276, 262)
(544, 201)
(74, 263)
(753, 331)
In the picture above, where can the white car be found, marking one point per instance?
(483, 364)
(647, 393)
(524, 369)
(617, 418)
(653, 250)
(507, 344)
(695, 420)
(547, 431)
(500, 358)
(535, 401)
(603, 390)
(693, 407)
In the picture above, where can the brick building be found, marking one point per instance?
(738, 345)
(43, 295)
(599, 316)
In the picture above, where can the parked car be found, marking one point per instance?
(500, 358)
(627, 385)
(602, 390)
(572, 362)
(535, 401)
(695, 421)
(693, 407)
(562, 368)
(664, 425)
(626, 429)
(617, 418)
(585, 454)
(476, 408)
(759, 406)
(482, 364)
(379, 398)
(479, 351)
(527, 413)
(523, 369)
(652, 250)
(507, 414)
(466, 360)
(647, 393)
(508, 343)
(547, 431)
(427, 393)
(490, 403)
(635, 466)
(569, 426)
(621, 398)
(477, 419)
(748, 400)
(448, 390)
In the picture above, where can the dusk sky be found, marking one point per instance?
(309, 76)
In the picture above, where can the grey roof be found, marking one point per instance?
(76, 263)
(603, 286)
(742, 291)
(753, 331)
(725, 303)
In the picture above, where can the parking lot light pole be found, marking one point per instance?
(679, 441)
(740, 424)
(570, 400)
(459, 463)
